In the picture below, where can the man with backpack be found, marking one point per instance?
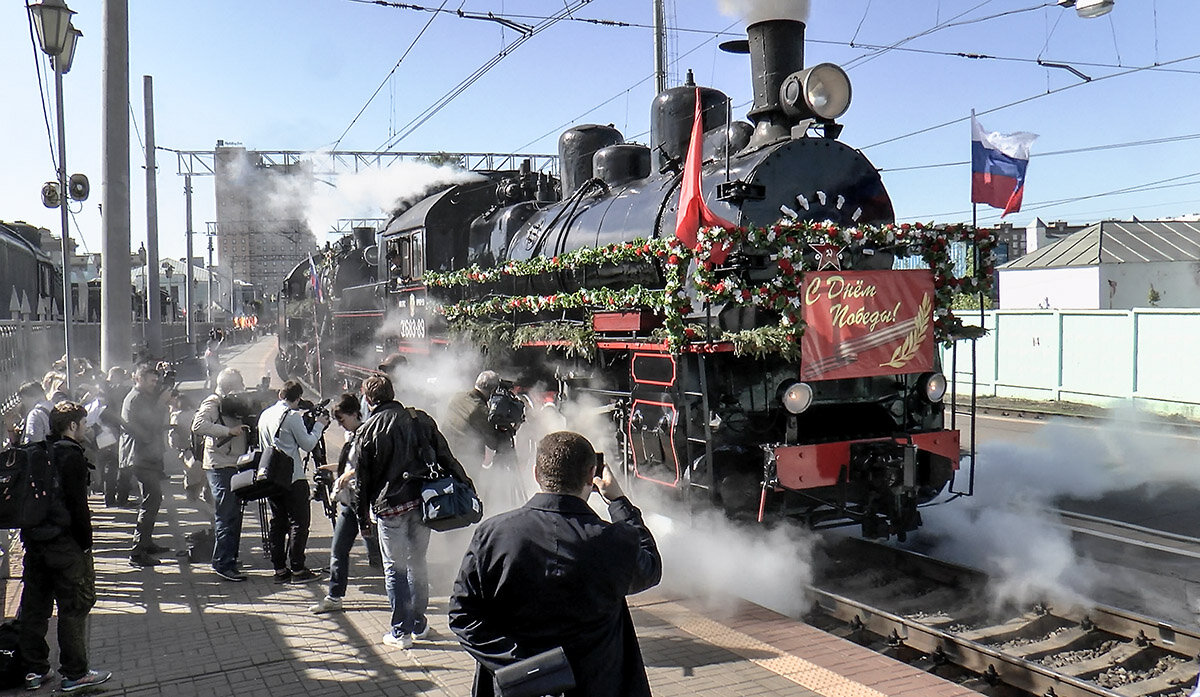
(396, 447)
(58, 562)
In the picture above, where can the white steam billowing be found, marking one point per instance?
(759, 10)
(1007, 529)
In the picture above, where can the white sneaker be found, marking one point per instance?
(423, 634)
(403, 641)
(327, 604)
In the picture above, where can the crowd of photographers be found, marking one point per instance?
(374, 488)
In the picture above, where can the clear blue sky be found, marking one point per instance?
(277, 75)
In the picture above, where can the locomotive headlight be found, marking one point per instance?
(797, 397)
(932, 386)
(822, 91)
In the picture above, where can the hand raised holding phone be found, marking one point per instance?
(604, 481)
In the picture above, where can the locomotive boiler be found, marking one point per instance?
(777, 366)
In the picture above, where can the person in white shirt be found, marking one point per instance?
(281, 426)
(36, 408)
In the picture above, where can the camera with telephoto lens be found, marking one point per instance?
(506, 411)
(244, 408)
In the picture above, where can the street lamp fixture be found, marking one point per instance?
(1088, 9)
(52, 21)
(68, 53)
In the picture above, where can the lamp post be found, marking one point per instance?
(1088, 9)
(52, 21)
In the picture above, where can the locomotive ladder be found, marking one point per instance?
(694, 443)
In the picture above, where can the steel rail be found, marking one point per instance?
(973, 656)
(1180, 548)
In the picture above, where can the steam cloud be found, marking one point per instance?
(1007, 529)
(759, 10)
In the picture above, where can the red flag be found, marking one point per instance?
(692, 212)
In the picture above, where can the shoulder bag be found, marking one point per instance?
(263, 474)
(448, 504)
(547, 673)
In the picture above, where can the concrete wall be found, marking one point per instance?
(1177, 284)
(1073, 288)
(1097, 357)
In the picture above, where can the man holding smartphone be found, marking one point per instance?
(554, 574)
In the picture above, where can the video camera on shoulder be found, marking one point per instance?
(168, 375)
(244, 408)
(506, 411)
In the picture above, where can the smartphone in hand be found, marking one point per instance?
(599, 464)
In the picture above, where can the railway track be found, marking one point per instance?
(1130, 534)
(922, 610)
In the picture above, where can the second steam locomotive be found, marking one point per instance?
(778, 367)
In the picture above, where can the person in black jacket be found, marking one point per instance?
(396, 446)
(553, 573)
(59, 566)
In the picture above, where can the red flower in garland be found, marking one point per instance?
(746, 295)
(673, 259)
(785, 266)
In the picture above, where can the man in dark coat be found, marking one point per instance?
(553, 573)
(142, 449)
(58, 565)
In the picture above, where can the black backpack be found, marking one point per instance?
(12, 673)
(29, 487)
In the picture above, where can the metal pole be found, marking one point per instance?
(153, 331)
(116, 317)
(63, 198)
(208, 311)
(190, 280)
(660, 47)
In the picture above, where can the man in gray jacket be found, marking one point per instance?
(143, 445)
(224, 441)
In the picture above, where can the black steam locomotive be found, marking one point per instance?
(779, 367)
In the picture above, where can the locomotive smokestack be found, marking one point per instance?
(776, 51)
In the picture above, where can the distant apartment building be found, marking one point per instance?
(261, 232)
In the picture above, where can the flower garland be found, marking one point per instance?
(786, 247)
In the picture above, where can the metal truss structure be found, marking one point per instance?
(332, 162)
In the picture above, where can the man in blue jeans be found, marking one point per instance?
(225, 439)
(396, 447)
(348, 414)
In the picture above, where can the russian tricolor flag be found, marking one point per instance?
(998, 162)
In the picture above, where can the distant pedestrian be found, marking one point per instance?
(345, 492)
(212, 358)
(116, 480)
(390, 465)
(59, 568)
(36, 410)
(142, 451)
(554, 574)
(291, 512)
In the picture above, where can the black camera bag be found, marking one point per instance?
(547, 673)
(272, 472)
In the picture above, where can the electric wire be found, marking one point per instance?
(41, 87)
(466, 83)
(1071, 151)
(1024, 100)
(392, 72)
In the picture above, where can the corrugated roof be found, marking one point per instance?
(1118, 242)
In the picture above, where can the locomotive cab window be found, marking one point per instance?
(399, 258)
(418, 254)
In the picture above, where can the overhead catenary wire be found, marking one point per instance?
(392, 72)
(462, 86)
(1053, 153)
(41, 87)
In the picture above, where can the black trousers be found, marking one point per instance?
(60, 572)
(291, 514)
(152, 496)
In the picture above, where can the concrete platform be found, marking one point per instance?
(178, 629)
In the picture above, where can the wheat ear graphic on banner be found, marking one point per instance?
(912, 343)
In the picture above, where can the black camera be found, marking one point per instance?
(243, 408)
(506, 411)
(312, 411)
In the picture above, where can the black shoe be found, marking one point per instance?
(304, 576)
(157, 549)
(231, 574)
(283, 575)
(142, 560)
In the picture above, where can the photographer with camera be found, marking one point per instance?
(553, 574)
(349, 416)
(282, 426)
(225, 439)
(486, 417)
